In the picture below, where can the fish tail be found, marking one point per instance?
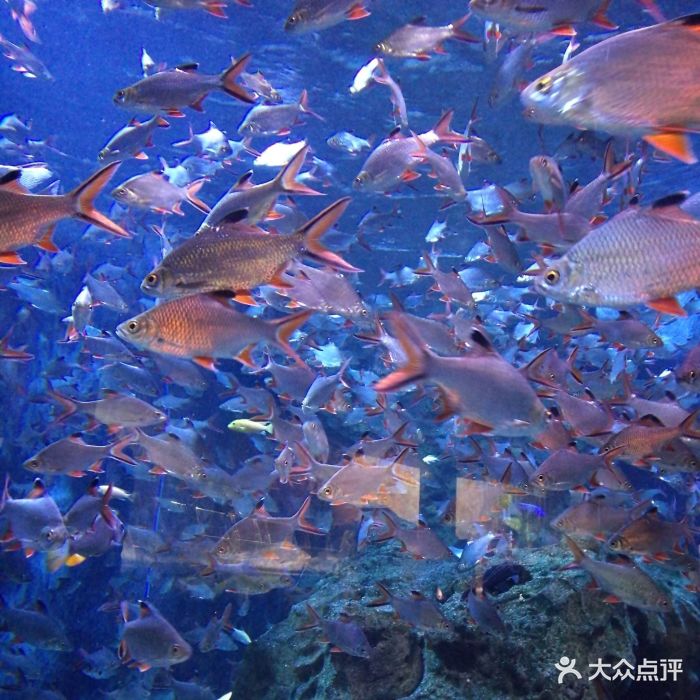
(160, 122)
(460, 34)
(83, 196)
(304, 106)
(217, 8)
(185, 142)
(228, 80)
(286, 178)
(579, 556)
(443, 130)
(313, 619)
(686, 427)
(284, 329)
(302, 523)
(69, 406)
(417, 362)
(5, 494)
(600, 17)
(384, 596)
(117, 449)
(105, 510)
(191, 193)
(313, 230)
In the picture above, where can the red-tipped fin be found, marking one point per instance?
(673, 143)
(302, 523)
(285, 327)
(600, 18)
(669, 305)
(192, 198)
(304, 106)
(358, 11)
(443, 130)
(11, 258)
(287, 176)
(217, 8)
(83, 196)
(417, 355)
(314, 229)
(229, 77)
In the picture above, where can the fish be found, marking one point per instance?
(315, 15)
(393, 161)
(171, 90)
(226, 258)
(24, 61)
(381, 76)
(624, 583)
(541, 16)
(155, 192)
(35, 627)
(258, 84)
(35, 523)
(216, 8)
(641, 256)
(99, 664)
(568, 469)
(417, 611)
(214, 629)
(688, 371)
(602, 89)
(29, 219)
(418, 40)
(117, 410)
(509, 407)
(131, 140)
(500, 578)
(258, 201)
(342, 634)
(150, 641)
(347, 142)
(482, 610)
(212, 142)
(548, 180)
(625, 331)
(74, 457)
(275, 119)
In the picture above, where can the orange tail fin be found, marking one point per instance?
(285, 327)
(417, 358)
(287, 176)
(312, 231)
(228, 80)
(83, 196)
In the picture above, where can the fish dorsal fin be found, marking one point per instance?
(417, 21)
(671, 200)
(260, 510)
(417, 595)
(481, 340)
(395, 134)
(92, 489)
(40, 607)
(650, 421)
(145, 609)
(188, 67)
(690, 21)
(243, 182)
(234, 217)
(10, 182)
(38, 489)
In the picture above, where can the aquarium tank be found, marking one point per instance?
(350, 350)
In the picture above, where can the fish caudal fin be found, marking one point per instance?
(673, 143)
(579, 556)
(217, 8)
(460, 34)
(286, 178)
(417, 358)
(303, 524)
(191, 193)
(83, 197)
(304, 106)
(314, 229)
(229, 84)
(285, 327)
(443, 130)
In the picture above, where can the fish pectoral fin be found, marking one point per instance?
(673, 143)
(611, 599)
(357, 11)
(205, 362)
(669, 305)
(11, 258)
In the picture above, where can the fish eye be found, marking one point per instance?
(121, 94)
(540, 478)
(175, 649)
(543, 162)
(551, 277)
(152, 279)
(132, 326)
(691, 375)
(328, 491)
(544, 85)
(292, 20)
(120, 192)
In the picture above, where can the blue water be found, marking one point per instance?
(92, 54)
